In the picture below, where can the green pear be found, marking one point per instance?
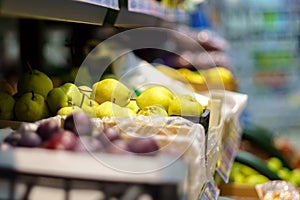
(156, 95)
(89, 106)
(185, 105)
(7, 103)
(35, 81)
(31, 107)
(109, 109)
(153, 110)
(65, 111)
(65, 95)
(111, 90)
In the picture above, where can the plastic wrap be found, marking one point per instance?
(277, 190)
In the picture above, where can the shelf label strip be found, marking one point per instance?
(146, 7)
(113, 4)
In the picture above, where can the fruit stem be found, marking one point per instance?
(29, 67)
(32, 98)
(82, 100)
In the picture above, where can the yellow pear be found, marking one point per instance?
(111, 90)
(65, 111)
(219, 75)
(133, 106)
(153, 110)
(129, 112)
(7, 103)
(109, 109)
(155, 95)
(185, 105)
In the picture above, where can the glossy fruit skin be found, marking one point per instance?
(79, 123)
(47, 129)
(63, 140)
(143, 146)
(30, 139)
(108, 135)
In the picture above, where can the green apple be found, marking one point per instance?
(155, 95)
(284, 173)
(274, 163)
(65, 95)
(68, 110)
(109, 109)
(185, 105)
(35, 81)
(31, 107)
(153, 111)
(111, 90)
(7, 103)
(255, 179)
(295, 177)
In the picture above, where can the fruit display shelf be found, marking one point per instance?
(41, 167)
(164, 173)
(75, 171)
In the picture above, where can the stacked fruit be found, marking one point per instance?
(79, 134)
(200, 80)
(260, 152)
(36, 99)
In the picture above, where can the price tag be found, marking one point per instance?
(230, 147)
(210, 191)
(113, 4)
(142, 6)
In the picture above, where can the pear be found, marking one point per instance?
(111, 90)
(153, 110)
(84, 89)
(34, 81)
(31, 107)
(109, 109)
(133, 105)
(129, 112)
(5, 86)
(89, 106)
(68, 110)
(155, 95)
(7, 103)
(67, 94)
(185, 105)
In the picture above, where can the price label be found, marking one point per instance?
(143, 6)
(210, 192)
(230, 147)
(113, 4)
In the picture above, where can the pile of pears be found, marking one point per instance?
(37, 98)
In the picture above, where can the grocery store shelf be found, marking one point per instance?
(58, 10)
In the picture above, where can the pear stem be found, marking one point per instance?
(82, 100)
(29, 67)
(32, 98)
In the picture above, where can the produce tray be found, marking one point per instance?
(181, 177)
(240, 191)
